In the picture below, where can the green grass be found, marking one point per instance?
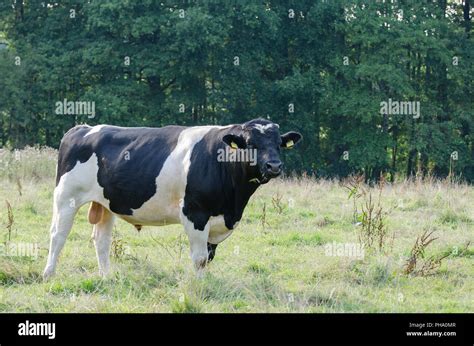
(277, 267)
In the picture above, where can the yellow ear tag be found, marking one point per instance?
(290, 143)
(233, 145)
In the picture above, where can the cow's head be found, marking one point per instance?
(263, 137)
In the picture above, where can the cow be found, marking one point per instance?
(161, 176)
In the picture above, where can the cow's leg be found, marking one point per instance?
(102, 235)
(211, 249)
(64, 211)
(197, 240)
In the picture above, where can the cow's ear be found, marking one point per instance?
(235, 141)
(289, 139)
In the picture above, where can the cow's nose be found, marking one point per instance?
(274, 167)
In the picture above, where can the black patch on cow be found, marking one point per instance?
(211, 250)
(129, 160)
(216, 188)
(71, 150)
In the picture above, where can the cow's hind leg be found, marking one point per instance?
(102, 235)
(63, 218)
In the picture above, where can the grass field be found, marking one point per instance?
(276, 260)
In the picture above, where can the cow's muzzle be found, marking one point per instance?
(273, 168)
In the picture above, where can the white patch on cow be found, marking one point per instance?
(218, 231)
(76, 187)
(95, 129)
(263, 128)
(81, 183)
(163, 207)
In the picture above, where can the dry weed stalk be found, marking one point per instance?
(276, 201)
(373, 231)
(19, 186)
(417, 253)
(263, 218)
(10, 219)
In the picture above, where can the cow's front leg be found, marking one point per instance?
(197, 228)
(211, 250)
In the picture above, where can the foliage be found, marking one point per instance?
(320, 67)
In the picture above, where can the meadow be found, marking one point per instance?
(277, 260)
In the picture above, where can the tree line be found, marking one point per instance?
(375, 87)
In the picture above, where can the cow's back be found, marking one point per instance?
(128, 160)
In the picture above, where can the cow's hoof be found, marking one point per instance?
(200, 273)
(104, 273)
(200, 265)
(47, 274)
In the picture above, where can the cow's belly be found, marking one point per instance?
(152, 220)
(218, 232)
(162, 209)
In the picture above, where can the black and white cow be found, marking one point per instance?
(161, 176)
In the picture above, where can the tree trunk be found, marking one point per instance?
(467, 18)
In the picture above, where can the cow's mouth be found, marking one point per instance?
(266, 177)
(263, 179)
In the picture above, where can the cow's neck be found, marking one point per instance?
(242, 188)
